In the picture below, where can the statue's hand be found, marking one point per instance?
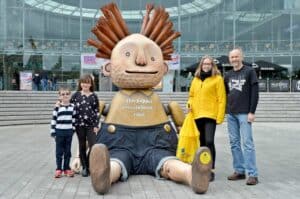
(75, 165)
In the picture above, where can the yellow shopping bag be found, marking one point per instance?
(188, 140)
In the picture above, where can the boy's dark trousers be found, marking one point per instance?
(63, 151)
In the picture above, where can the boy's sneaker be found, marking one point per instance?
(58, 174)
(69, 173)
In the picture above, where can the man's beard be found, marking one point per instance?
(235, 64)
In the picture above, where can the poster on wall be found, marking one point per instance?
(174, 64)
(26, 80)
(263, 85)
(168, 82)
(296, 85)
(279, 85)
(90, 61)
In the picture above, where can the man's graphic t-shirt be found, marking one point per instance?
(242, 90)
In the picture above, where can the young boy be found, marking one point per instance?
(62, 128)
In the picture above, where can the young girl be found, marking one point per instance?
(62, 127)
(207, 100)
(87, 118)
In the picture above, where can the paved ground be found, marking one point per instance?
(27, 168)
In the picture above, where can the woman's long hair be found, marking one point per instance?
(215, 70)
(87, 78)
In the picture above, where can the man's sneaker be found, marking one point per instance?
(237, 176)
(69, 173)
(58, 174)
(252, 181)
(201, 170)
(100, 168)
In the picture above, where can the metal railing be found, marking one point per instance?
(209, 47)
(216, 47)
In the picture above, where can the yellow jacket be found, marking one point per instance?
(207, 98)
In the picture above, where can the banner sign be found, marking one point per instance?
(90, 61)
(26, 80)
(279, 85)
(296, 85)
(174, 64)
(263, 85)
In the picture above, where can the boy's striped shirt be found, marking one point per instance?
(63, 118)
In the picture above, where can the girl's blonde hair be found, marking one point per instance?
(87, 78)
(215, 70)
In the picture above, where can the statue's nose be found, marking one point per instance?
(141, 59)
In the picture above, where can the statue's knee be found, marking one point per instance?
(166, 170)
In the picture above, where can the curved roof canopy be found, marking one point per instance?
(187, 8)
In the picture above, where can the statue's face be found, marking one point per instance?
(136, 62)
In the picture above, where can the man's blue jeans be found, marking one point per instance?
(240, 129)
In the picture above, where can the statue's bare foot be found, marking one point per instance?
(201, 168)
(100, 168)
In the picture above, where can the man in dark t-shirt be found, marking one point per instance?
(242, 98)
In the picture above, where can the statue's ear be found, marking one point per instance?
(106, 68)
(166, 68)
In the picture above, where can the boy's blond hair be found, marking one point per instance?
(63, 88)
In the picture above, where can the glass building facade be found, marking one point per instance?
(48, 37)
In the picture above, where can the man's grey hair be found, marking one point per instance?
(238, 49)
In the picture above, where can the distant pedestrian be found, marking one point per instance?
(16, 80)
(54, 82)
(36, 80)
(44, 81)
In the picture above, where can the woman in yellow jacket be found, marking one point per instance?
(207, 100)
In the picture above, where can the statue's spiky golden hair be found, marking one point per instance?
(111, 28)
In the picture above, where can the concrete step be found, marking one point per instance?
(24, 122)
(269, 115)
(101, 96)
(164, 96)
(26, 105)
(26, 109)
(174, 94)
(279, 106)
(282, 119)
(277, 109)
(26, 101)
(46, 101)
(26, 117)
(26, 113)
(47, 121)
